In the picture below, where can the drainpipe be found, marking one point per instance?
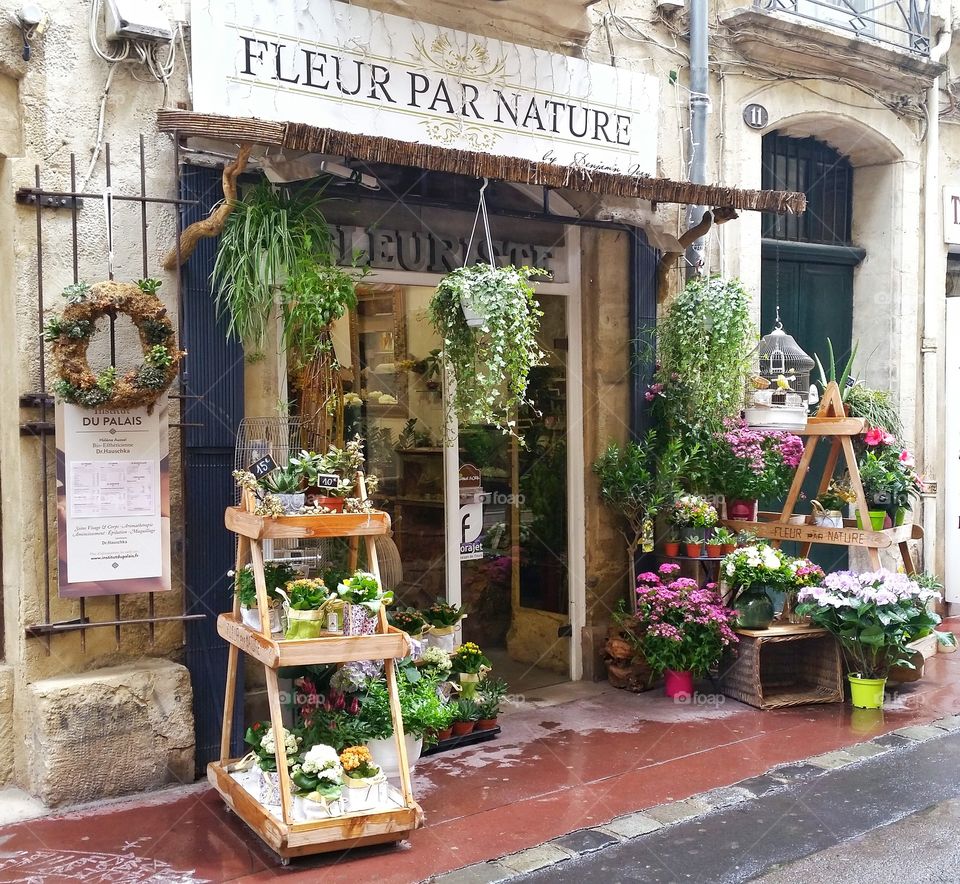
(699, 108)
(933, 306)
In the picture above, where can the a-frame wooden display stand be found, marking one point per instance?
(831, 424)
(289, 837)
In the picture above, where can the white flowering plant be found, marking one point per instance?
(262, 742)
(873, 615)
(757, 565)
(437, 660)
(319, 772)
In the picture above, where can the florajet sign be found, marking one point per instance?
(343, 67)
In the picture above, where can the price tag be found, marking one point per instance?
(327, 480)
(262, 467)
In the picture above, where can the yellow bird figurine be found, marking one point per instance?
(783, 382)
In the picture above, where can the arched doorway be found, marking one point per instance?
(808, 260)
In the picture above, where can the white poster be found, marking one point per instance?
(343, 67)
(113, 501)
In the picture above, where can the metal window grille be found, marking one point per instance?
(66, 218)
(824, 175)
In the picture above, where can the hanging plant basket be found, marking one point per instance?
(488, 319)
(69, 335)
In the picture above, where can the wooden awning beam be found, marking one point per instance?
(381, 149)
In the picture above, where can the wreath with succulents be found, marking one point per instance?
(69, 336)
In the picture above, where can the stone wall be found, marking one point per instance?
(49, 107)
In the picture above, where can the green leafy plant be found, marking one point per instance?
(286, 480)
(830, 375)
(441, 614)
(637, 481)
(149, 285)
(466, 710)
(490, 363)
(423, 710)
(491, 698)
(723, 536)
(703, 346)
(363, 588)
(276, 576)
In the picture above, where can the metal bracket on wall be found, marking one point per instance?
(28, 196)
(42, 427)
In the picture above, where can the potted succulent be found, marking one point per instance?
(681, 629)
(470, 664)
(873, 615)
(752, 571)
(671, 546)
(305, 601)
(442, 620)
(319, 782)
(488, 320)
(286, 484)
(466, 715)
(488, 703)
(725, 539)
(260, 738)
(364, 596)
(693, 515)
(366, 783)
(276, 575)
(321, 485)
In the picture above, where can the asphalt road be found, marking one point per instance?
(894, 817)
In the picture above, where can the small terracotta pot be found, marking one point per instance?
(671, 548)
(486, 724)
(693, 550)
(462, 728)
(729, 548)
(445, 734)
(714, 550)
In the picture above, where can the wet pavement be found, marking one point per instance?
(554, 770)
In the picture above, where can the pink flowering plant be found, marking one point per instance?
(678, 624)
(749, 464)
(888, 470)
(873, 615)
(804, 573)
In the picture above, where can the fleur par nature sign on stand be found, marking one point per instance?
(339, 66)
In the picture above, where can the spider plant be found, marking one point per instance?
(271, 235)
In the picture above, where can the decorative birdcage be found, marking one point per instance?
(778, 389)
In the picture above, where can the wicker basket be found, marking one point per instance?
(784, 666)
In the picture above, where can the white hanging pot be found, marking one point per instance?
(473, 319)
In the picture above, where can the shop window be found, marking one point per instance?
(824, 175)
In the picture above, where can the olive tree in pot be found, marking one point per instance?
(636, 481)
(490, 352)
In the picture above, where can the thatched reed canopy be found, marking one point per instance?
(381, 149)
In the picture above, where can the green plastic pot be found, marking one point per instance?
(876, 519)
(866, 693)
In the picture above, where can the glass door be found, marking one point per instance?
(513, 526)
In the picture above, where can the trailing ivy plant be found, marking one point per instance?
(490, 363)
(704, 343)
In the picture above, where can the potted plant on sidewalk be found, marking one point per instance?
(873, 616)
(488, 320)
(470, 664)
(466, 715)
(488, 703)
(681, 629)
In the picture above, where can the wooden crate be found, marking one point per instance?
(784, 666)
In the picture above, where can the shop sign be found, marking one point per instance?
(951, 216)
(471, 513)
(340, 66)
(422, 251)
(113, 500)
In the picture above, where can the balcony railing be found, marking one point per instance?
(904, 24)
